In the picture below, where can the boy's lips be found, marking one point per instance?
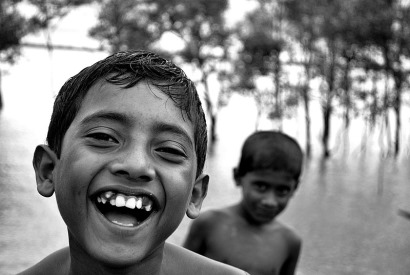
(124, 207)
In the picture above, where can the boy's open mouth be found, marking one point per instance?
(123, 209)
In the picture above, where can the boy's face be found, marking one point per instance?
(265, 193)
(131, 148)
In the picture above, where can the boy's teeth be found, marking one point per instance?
(108, 194)
(130, 203)
(123, 224)
(139, 203)
(120, 201)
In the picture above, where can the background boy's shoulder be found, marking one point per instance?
(288, 234)
(213, 216)
(178, 260)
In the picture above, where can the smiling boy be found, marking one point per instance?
(248, 235)
(125, 154)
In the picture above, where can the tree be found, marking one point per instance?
(385, 29)
(323, 37)
(263, 42)
(199, 24)
(49, 11)
(306, 34)
(13, 27)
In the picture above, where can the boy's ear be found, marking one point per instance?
(236, 176)
(44, 161)
(198, 195)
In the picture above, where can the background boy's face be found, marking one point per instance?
(265, 193)
(135, 143)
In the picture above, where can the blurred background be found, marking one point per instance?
(334, 74)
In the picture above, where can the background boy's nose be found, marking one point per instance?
(269, 199)
(134, 165)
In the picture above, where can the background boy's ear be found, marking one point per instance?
(197, 197)
(44, 161)
(296, 185)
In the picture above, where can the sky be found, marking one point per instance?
(73, 29)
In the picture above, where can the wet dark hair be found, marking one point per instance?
(126, 69)
(271, 150)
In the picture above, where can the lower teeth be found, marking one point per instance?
(123, 224)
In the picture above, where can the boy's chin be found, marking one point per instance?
(259, 219)
(114, 251)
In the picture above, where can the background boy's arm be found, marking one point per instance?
(197, 235)
(289, 266)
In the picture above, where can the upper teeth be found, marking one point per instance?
(120, 200)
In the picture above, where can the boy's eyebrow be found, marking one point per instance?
(103, 115)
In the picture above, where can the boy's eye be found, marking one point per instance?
(102, 137)
(171, 154)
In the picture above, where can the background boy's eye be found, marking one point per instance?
(282, 191)
(260, 186)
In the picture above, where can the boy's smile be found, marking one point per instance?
(126, 210)
(127, 169)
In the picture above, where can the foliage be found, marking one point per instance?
(48, 10)
(263, 41)
(140, 23)
(13, 28)
(199, 25)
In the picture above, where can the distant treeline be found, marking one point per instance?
(358, 50)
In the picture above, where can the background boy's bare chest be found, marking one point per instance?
(247, 248)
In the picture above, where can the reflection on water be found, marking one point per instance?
(346, 209)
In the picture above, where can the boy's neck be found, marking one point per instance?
(83, 263)
(241, 211)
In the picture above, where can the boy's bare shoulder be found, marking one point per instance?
(178, 260)
(56, 263)
(216, 215)
(288, 234)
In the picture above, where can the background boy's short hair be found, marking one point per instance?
(271, 150)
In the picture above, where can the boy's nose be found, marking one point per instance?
(135, 165)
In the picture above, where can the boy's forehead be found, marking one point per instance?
(143, 99)
(270, 172)
(104, 91)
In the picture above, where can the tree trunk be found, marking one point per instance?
(327, 106)
(305, 92)
(1, 97)
(276, 78)
(374, 105)
(306, 98)
(397, 107)
(209, 107)
(346, 87)
(327, 111)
